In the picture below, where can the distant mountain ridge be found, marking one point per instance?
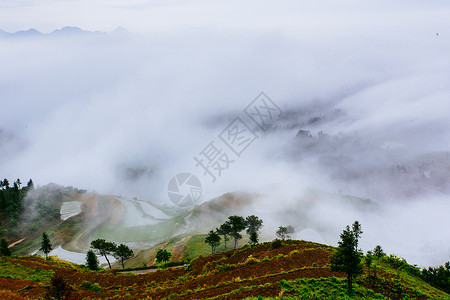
(64, 31)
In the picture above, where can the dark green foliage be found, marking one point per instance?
(163, 255)
(347, 257)
(282, 233)
(122, 253)
(225, 231)
(368, 261)
(46, 246)
(25, 210)
(104, 248)
(92, 260)
(438, 277)
(285, 232)
(213, 239)
(254, 224)
(5, 183)
(254, 239)
(4, 250)
(400, 263)
(30, 185)
(94, 287)
(378, 252)
(237, 224)
(276, 244)
(11, 200)
(323, 288)
(59, 288)
(44, 204)
(357, 231)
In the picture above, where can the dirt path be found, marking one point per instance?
(15, 243)
(137, 272)
(99, 210)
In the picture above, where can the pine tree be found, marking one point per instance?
(46, 246)
(378, 251)
(356, 228)
(30, 185)
(104, 248)
(92, 260)
(122, 253)
(347, 257)
(6, 183)
(4, 250)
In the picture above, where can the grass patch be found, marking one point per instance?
(196, 245)
(18, 271)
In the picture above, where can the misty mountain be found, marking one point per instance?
(74, 31)
(67, 31)
(363, 90)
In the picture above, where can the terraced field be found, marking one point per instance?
(288, 269)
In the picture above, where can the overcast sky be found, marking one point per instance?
(287, 15)
(123, 114)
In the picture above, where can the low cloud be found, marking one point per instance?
(123, 114)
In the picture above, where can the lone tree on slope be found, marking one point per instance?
(254, 224)
(122, 253)
(213, 239)
(347, 257)
(378, 251)
(237, 224)
(283, 233)
(104, 248)
(92, 260)
(46, 246)
(162, 255)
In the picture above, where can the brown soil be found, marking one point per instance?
(91, 203)
(117, 210)
(203, 280)
(179, 249)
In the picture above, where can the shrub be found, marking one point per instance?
(59, 288)
(401, 264)
(89, 286)
(276, 244)
(285, 284)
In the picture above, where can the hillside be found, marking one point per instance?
(146, 226)
(289, 269)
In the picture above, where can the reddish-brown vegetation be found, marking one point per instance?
(235, 274)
